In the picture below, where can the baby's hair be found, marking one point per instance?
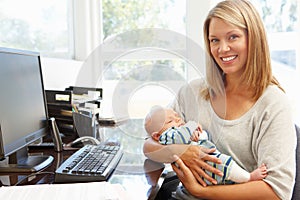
(150, 119)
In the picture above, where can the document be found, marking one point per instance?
(73, 191)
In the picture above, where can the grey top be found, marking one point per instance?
(264, 134)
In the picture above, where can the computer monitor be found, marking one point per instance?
(23, 110)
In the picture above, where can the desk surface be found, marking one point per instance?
(138, 175)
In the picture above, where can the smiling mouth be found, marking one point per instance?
(226, 59)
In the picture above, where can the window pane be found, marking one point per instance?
(278, 15)
(160, 70)
(36, 25)
(125, 15)
(281, 21)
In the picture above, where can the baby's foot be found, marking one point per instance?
(259, 173)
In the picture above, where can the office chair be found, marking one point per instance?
(296, 193)
(170, 184)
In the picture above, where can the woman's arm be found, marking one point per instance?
(250, 190)
(193, 156)
(157, 152)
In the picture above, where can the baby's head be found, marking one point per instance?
(160, 119)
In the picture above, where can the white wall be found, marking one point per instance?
(59, 73)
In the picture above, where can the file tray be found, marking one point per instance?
(86, 95)
(84, 125)
(75, 109)
(60, 107)
(87, 101)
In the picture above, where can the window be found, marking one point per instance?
(281, 22)
(120, 16)
(142, 66)
(129, 19)
(281, 19)
(35, 25)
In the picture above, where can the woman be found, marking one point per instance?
(241, 105)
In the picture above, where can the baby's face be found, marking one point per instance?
(172, 119)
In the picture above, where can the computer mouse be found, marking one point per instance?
(80, 142)
(77, 144)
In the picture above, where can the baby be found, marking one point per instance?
(165, 126)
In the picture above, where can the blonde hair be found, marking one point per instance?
(258, 71)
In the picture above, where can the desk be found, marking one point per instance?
(138, 175)
(135, 173)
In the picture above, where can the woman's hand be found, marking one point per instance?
(194, 158)
(186, 176)
(249, 190)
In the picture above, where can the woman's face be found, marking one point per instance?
(228, 45)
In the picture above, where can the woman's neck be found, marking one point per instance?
(234, 85)
(238, 99)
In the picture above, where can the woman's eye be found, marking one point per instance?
(232, 37)
(214, 40)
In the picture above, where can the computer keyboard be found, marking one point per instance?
(90, 163)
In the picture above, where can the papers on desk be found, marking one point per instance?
(74, 191)
(111, 121)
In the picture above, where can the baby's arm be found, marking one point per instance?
(239, 175)
(196, 130)
(175, 135)
(181, 135)
(259, 173)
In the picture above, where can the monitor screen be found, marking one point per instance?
(23, 111)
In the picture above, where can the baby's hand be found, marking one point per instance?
(199, 128)
(195, 136)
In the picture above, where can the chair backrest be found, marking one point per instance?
(296, 193)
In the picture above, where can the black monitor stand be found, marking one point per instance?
(21, 162)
